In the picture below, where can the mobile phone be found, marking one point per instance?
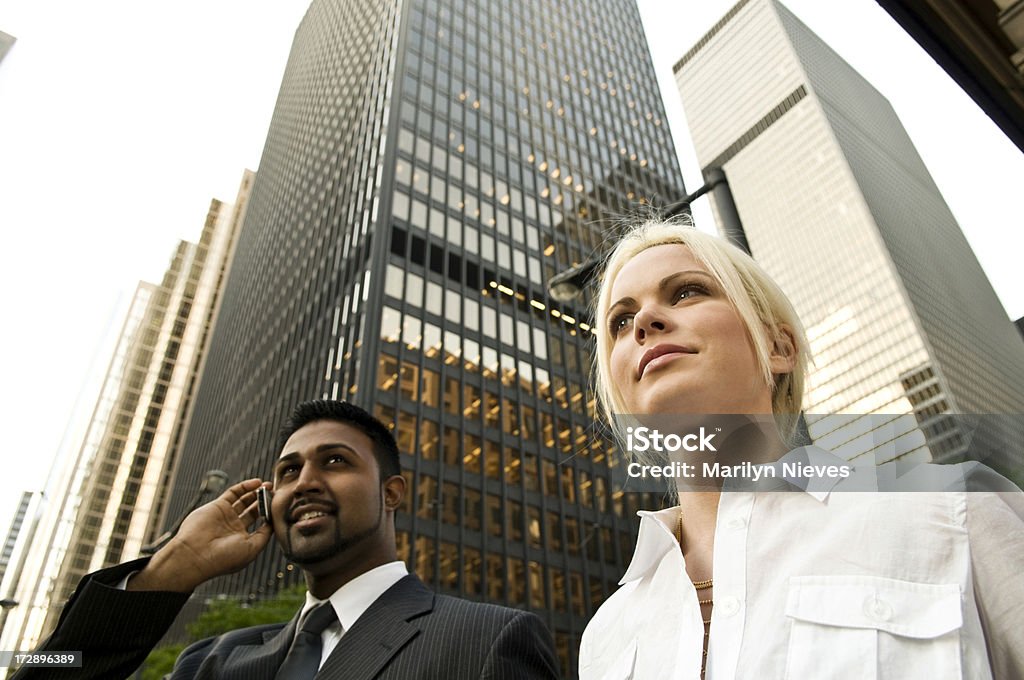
(263, 502)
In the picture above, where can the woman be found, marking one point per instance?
(810, 583)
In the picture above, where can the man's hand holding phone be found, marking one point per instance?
(213, 540)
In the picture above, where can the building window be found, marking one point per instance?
(492, 460)
(516, 582)
(450, 503)
(554, 532)
(472, 509)
(425, 559)
(495, 517)
(449, 565)
(429, 439)
(515, 521)
(496, 576)
(426, 497)
(533, 527)
(472, 453)
(536, 585)
(471, 571)
(558, 595)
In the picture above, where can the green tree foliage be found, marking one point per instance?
(160, 662)
(222, 616)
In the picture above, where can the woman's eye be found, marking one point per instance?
(619, 323)
(688, 291)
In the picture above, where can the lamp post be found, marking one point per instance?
(6, 604)
(567, 285)
(213, 484)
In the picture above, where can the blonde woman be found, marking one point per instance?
(811, 583)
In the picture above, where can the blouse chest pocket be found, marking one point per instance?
(871, 628)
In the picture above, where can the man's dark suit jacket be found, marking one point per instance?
(408, 633)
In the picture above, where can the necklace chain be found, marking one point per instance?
(699, 585)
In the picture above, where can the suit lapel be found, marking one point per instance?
(380, 632)
(259, 661)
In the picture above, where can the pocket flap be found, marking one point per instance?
(917, 610)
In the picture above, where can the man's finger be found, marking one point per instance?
(244, 501)
(250, 514)
(236, 491)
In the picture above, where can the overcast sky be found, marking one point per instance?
(119, 121)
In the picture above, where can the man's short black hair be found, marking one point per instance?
(384, 447)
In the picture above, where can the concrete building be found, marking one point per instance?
(839, 208)
(6, 43)
(23, 520)
(428, 167)
(15, 550)
(106, 503)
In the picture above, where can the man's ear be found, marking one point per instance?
(394, 491)
(783, 355)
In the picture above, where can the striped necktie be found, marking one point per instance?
(303, 659)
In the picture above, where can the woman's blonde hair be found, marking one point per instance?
(763, 308)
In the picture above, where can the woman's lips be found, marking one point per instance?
(660, 355)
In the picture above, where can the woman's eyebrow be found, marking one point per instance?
(667, 281)
(662, 285)
(623, 301)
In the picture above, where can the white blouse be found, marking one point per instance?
(826, 584)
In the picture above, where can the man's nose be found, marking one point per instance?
(309, 479)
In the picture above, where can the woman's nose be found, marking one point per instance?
(646, 322)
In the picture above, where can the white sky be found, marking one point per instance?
(119, 121)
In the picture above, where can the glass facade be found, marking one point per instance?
(103, 505)
(430, 165)
(841, 211)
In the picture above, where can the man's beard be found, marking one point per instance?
(340, 544)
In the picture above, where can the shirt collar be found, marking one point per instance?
(356, 596)
(654, 541)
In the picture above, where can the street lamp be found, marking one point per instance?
(213, 484)
(567, 285)
(6, 604)
(716, 183)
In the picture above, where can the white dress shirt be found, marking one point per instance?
(821, 583)
(352, 599)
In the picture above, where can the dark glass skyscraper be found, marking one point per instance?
(429, 166)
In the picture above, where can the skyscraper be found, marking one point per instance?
(428, 167)
(24, 521)
(101, 505)
(6, 43)
(15, 551)
(839, 208)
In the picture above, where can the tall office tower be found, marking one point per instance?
(428, 167)
(839, 208)
(18, 536)
(102, 503)
(6, 43)
(15, 550)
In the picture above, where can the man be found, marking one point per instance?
(336, 487)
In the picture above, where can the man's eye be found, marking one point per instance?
(336, 458)
(287, 470)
